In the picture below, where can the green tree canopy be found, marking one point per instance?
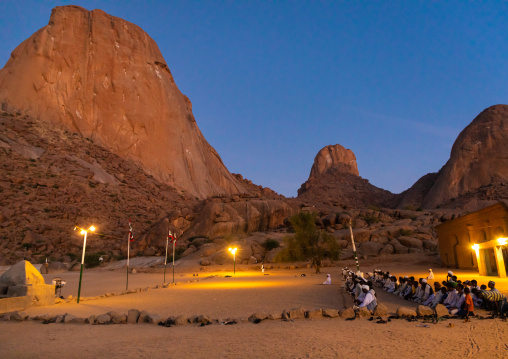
(308, 242)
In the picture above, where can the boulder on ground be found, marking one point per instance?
(346, 313)
(133, 316)
(381, 310)
(152, 318)
(103, 319)
(423, 310)
(257, 317)
(406, 312)
(330, 313)
(441, 310)
(181, 320)
(274, 316)
(142, 317)
(297, 313)
(364, 312)
(311, 314)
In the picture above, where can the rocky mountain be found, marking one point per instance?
(476, 175)
(104, 78)
(52, 179)
(334, 177)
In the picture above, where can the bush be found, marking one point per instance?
(270, 244)
(308, 242)
(92, 259)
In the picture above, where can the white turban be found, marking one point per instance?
(366, 287)
(450, 272)
(424, 280)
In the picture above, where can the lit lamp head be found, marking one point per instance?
(476, 247)
(502, 241)
(232, 250)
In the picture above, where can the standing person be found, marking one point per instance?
(431, 275)
(262, 268)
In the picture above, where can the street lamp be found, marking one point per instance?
(84, 232)
(233, 251)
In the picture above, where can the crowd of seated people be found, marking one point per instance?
(460, 298)
(361, 290)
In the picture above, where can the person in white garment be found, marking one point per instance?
(369, 301)
(431, 275)
(328, 279)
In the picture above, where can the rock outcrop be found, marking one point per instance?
(334, 177)
(334, 156)
(105, 78)
(476, 173)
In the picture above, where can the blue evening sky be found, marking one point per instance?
(272, 82)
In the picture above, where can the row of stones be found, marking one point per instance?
(71, 299)
(135, 316)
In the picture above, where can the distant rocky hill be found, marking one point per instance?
(334, 177)
(476, 175)
(104, 78)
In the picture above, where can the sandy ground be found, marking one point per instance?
(239, 296)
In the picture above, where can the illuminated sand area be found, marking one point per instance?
(213, 294)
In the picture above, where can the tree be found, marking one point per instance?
(308, 242)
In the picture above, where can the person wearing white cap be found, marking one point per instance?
(431, 275)
(328, 279)
(449, 275)
(369, 301)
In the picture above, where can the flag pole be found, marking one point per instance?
(128, 255)
(166, 257)
(354, 248)
(129, 239)
(174, 244)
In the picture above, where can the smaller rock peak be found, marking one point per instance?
(334, 156)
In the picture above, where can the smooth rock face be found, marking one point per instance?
(106, 79)
(332, 156)
(334, 175)
(478, 159)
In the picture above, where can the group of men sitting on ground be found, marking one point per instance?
(460, 298)
(361, 290)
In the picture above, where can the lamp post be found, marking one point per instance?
(233, 251)
(84, 232)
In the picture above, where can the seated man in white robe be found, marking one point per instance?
(428, 292)
(402, 286)
(439, 297)
(393, 284)
(328, 279)
(451, 299)
(460, 299)
(369, 301)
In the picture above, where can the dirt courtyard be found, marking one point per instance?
(213, 293)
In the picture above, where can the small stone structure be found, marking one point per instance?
(23, 286)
